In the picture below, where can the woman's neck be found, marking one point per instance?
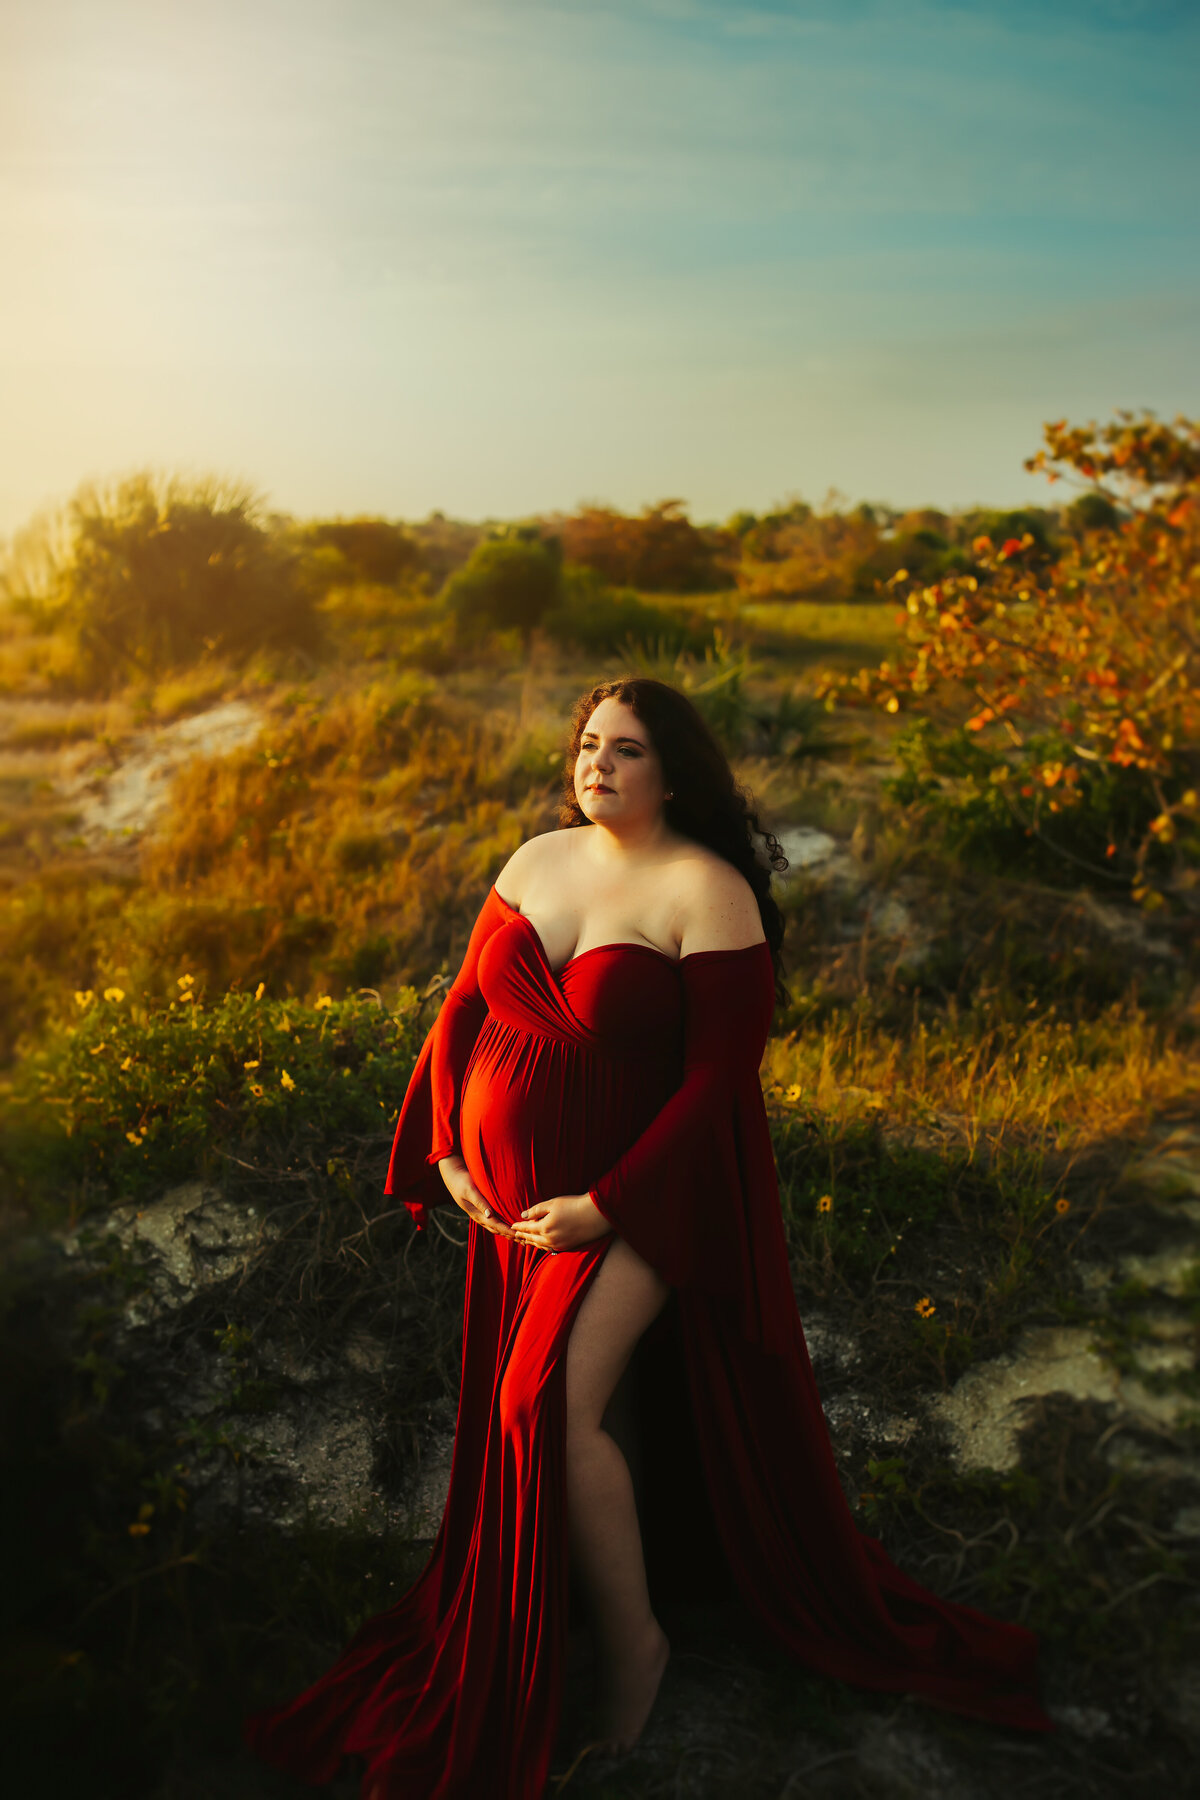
(635, 843)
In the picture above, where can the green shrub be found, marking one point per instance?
(157, 573)
(718, 684)
(374, 551)
(1091, 512)
(508, 583)
(603, 620)
(138, 1094)
(1001, 818)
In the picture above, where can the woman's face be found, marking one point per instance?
(618, 772)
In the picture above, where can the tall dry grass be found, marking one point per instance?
(350, 846)
(1055, 1081)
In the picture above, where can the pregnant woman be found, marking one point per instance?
(589, 1096)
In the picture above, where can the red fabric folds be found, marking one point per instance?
(634, 1078)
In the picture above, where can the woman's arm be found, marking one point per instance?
(676, 1193)
(427, 1129)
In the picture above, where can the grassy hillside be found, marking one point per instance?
(233, 890)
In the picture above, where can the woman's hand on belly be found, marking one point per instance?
(564, 1223)
(453, 1171)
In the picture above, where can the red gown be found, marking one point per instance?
(634, 1077)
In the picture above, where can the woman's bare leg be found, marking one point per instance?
(625, 1297)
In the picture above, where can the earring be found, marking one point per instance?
(669, 796)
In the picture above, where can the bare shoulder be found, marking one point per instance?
(718, 909)
(529, 860)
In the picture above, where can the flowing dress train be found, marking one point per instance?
(634, 1077)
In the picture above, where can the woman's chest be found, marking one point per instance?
(623, 998)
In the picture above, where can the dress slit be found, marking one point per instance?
(415, 1693)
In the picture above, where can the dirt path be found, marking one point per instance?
(125, 802)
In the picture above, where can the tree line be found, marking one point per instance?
(152, 572)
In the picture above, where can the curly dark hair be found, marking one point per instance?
(707, 803)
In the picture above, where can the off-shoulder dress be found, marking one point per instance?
(634, 1077)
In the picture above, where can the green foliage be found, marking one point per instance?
(508, 583)
(1082, 664)
(1001, 817)
(836, 554)
(1091, 512)
(848, 1200)
(1035, 521)
(602, 620)
(376, 551)
(139, 1094)
(805, 555)
(719, 685)
(159, 573)
(716, 684)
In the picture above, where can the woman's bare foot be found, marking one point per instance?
(632, 1686)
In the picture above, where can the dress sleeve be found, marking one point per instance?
(697, 1194)
(427, 1128)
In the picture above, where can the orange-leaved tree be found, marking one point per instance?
(1070, 684)
(660, 551)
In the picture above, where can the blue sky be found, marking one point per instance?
(499, 256)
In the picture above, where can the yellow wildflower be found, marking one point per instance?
(286, 1081)
(84, 996)
(96, 1049)
(127, 1065)
(1062, 1206)
(114, 994)
(825, 1203)
(925, 1307)
(250, 1065)
(135, 1137)
(260, 990)
(257, 1090)
(186, 981)
(141, 1525)
(324, 1000)
(794, 1092)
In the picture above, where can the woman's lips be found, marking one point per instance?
(598, 787)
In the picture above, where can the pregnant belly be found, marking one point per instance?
(540, 1118)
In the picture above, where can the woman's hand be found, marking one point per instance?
(563, 1223)
(454, 1172)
